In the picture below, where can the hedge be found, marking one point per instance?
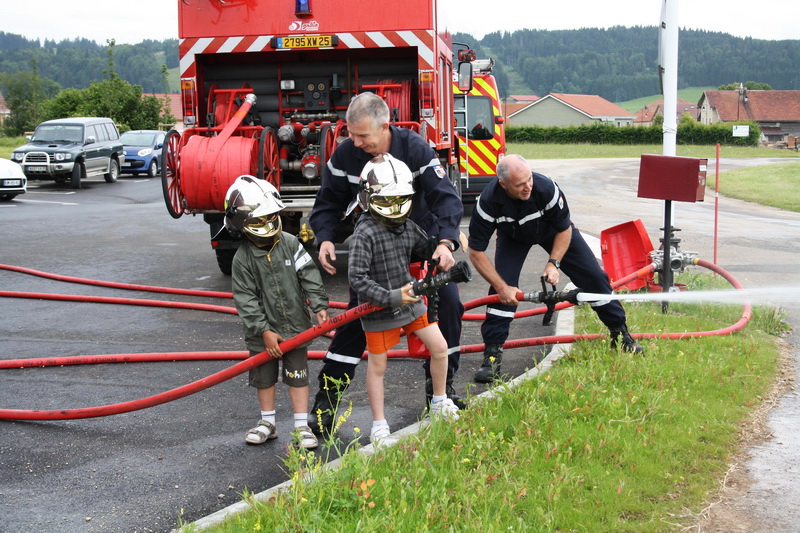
(689, 132)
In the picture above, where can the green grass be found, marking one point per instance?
(758, 184)
(580, 151)
(174, 79)
(8, 144)
(690, 94)
(604, 441)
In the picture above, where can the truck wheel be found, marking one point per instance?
(113, 171)
(78, 173)
(225, 259)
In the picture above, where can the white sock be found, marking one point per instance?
(269, 416)
(437, 399)
(378, 423)
(300, 419)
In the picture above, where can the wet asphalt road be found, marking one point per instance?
(146, 470)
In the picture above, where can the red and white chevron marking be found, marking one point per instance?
(421, 39)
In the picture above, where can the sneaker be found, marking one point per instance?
(445, 409)
(381, 437)
(304, 438)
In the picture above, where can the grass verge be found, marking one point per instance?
(604, 441)
(582, 151)
(758, 184)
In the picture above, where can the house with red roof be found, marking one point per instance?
(558, 109)
(645, 116)
(776, 112)
(175, 108)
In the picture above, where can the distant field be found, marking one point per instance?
(691, 94)
(174, 79)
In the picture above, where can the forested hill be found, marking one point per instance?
(618, 64)
(77, 63)
(621, 63)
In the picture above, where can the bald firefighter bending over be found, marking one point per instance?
(527, 208)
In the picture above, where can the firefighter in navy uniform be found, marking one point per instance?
(526, 209)
(437, 209)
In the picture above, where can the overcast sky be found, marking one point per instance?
(132, 22)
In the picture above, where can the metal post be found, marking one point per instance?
(666, 243)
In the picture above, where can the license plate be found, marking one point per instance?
(305, 41)
(12, 183)
(126, 164)
(37, 169)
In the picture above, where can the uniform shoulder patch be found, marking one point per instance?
(439, 169)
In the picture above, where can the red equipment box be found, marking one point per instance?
(626, 248)
(666, 177)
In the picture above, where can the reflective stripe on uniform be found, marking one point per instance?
(349, 359)
(498, 312)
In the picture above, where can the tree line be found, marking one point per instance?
(621, 63)
(33, 98)
(79, 62)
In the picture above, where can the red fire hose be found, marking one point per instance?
(190, 388)
(302, 338)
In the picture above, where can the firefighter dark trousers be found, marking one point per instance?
(349, 343)
(578, 263)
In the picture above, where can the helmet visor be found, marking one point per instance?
(389, 201)
(391, 208)
(262, 230)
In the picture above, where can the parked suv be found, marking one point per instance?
(72, 149)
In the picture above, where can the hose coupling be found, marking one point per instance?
(678, 260)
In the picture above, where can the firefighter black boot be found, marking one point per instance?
(451, 393)
(490, 368)
(323, 412)
(628, 342)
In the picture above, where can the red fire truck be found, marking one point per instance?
(265, 85)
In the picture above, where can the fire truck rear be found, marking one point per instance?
(480, 127)
(266, 84)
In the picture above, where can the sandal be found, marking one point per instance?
(261, 433)
(305, 438)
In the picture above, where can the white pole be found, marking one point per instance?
(669, 56)
(669, 65)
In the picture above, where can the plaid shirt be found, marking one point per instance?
(378, 269)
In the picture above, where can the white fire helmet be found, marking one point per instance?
(252, 207)
(385, 189)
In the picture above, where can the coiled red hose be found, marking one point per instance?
(250, 362)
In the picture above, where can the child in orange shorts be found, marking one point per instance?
(380, 252)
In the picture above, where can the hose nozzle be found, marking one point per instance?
(551, 298)
(428, 285)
